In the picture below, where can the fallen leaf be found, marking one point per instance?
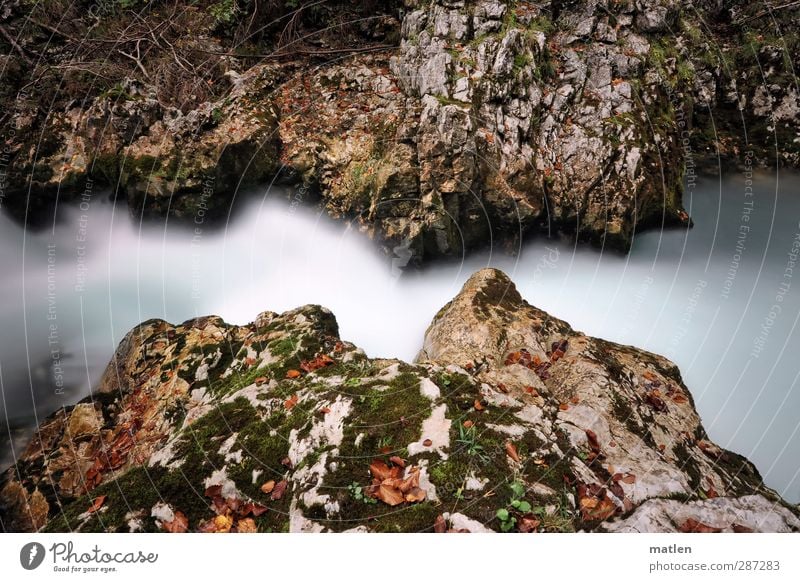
(287, 462)
(279, 490)
(629, 479)
(261, 380)
(381, 470)
(594, 444)
(511, 451)
(439, 524)
(531, 390)
(291, 402)
(390, 495)
(397, 461)
(741, 528)
(223, 523)
(693, 526)
(180, 524)
(529, 524)
(319, 362)
(575, 400)
(416, 494)
(97, 504)
(563, 406)
(214, 491)
(293, 374)
(427, 442)
(247, 525)
(468, 424)
(324, 410)
(478, 405)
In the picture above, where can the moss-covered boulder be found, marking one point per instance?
(509, 421)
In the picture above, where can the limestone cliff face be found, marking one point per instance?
(491, 120)
(509, 421)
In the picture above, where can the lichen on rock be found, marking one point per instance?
(291, 428)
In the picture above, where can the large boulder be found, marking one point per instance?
(510, 420)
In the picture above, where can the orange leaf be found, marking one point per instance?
(511, 451)
(97, 504)
(380, 470)
(468, 424)
(324, 410)
(223, 523)
(291, 402)
(398, 461)
(390, 495)
(267, 487)
(563, 406)
(416, 494)
(478, 405)
(246, 525)
(693, 526)
(293, 374)
(180, 524)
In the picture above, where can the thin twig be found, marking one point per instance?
(14, 45)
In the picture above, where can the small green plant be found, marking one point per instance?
(516, 504)
(384, 442)
(357, 491)
(468, 439)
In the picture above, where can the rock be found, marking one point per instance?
(489, 121)
(604, 436)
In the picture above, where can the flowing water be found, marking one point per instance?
(718, 299)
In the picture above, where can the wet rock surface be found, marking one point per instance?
(509, 421)
(490, 121)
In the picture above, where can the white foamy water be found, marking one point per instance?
(717, 299)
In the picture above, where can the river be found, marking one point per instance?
(718, 299)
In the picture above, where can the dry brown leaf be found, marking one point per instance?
(468, 424)
(563, 406)
(693, 526)
(291, 402)
(214, 491)
(381, 470)
(427, 442)
(293, 374)
(416, 494)
(279, 490)
(223, 523)
(97, 504)
(511, 451)
(180, 524)
(398, 461)
(478, 405)
(390, 495)
(247, 525)
(529, 524)
(439, 524)
(629, 479)
(267, 487)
